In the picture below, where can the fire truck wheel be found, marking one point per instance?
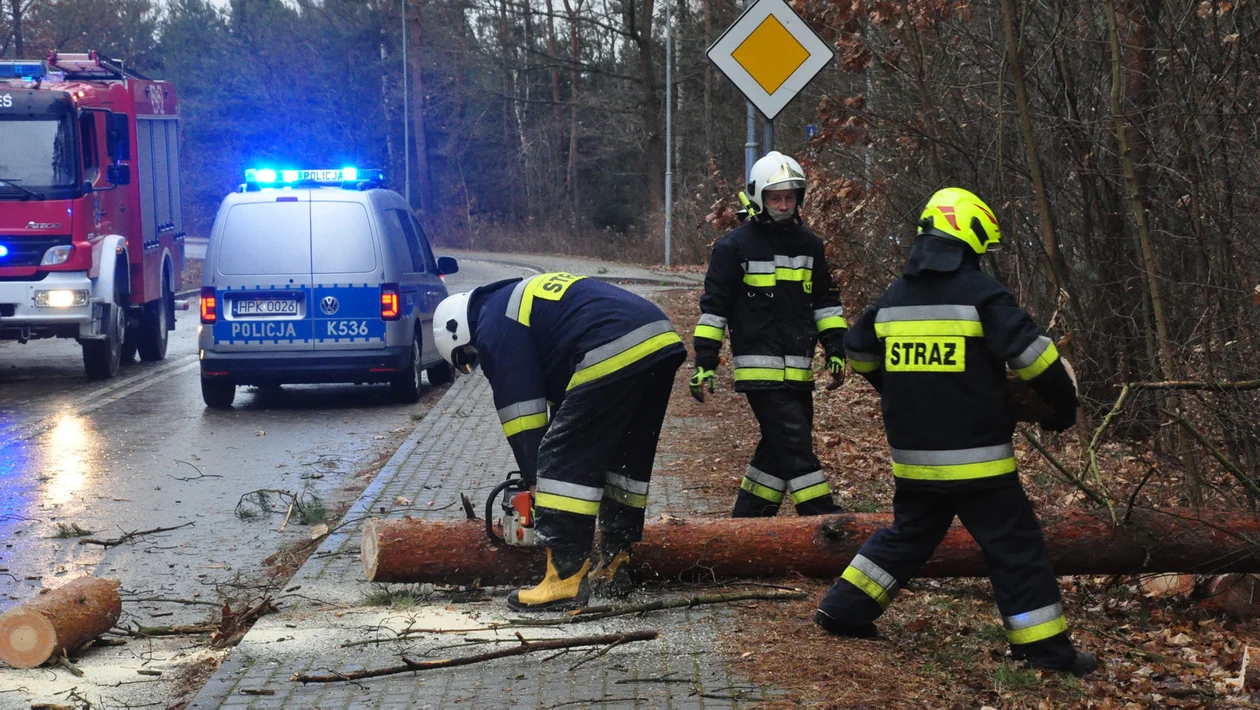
(101, 358)
(217, 394)
(153, 336)
(406, 387)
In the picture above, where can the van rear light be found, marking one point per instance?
(209, 305)
(389, 302)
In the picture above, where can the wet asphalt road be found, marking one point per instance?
(142, 452)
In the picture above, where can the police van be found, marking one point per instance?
(316, 276)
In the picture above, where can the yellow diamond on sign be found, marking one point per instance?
(770, 54)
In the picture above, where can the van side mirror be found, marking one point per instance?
(117, 137)
(118, 174)
(447, 265)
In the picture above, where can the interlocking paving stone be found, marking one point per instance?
(459, 447)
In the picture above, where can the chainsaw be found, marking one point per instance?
(517, 505)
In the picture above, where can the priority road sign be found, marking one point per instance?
(770, 54)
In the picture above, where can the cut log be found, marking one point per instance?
(1080, 542)
(61, 619)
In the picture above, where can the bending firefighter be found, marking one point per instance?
(602, 360)
(769, 281)
(936, 346)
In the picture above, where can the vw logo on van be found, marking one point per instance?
(329, 305)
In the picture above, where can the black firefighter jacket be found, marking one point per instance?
(936, 345)
(771, 286)
(544, 336)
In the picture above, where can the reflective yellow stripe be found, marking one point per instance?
(624, 359)
(758, 373)
(566, 504)
(759, 279)
(861, 366)
(955, 472)
(832, 322)
(708, 331)
(785, 274)
(966, 328)
(858, 578)
(761, 491)
(1046, 359)
(815, 491)
(1037, 633)
(520, 424)
(794, 374)
(624, 497)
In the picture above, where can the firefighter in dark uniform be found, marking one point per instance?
(936, 346)
(768, 280)
(602, 361)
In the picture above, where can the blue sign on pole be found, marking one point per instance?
(811, 132)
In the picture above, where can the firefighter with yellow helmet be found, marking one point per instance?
(936, 345)
(768, 280)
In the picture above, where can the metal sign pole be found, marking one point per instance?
(669, 137)
(767, 135)
(750, 144)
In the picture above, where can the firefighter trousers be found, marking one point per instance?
(1002, 521)
(784, 463)
(596, 461)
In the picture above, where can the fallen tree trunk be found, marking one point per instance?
(58, 620)
(1080, 542)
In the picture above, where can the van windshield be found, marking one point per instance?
(265, 238)
(341, 239)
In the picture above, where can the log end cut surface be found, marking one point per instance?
(369, 551)
(27, 638)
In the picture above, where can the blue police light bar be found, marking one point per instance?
(4, 251)
(23, 69)
(269, 177)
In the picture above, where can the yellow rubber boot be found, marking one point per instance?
(555, 593)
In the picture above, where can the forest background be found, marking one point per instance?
(1117, 141)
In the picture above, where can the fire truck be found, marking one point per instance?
(91, 228)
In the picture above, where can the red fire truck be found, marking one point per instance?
(91, 229)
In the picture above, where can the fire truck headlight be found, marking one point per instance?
(62, 298)
(56, 255)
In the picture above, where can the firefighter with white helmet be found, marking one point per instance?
(769, 282)
(936, 345)
(601, 362)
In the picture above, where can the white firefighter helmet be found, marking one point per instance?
(775, 171)
(452, 332)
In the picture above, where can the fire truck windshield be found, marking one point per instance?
(38, 154)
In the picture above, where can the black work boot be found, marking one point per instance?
(564, 587)
(838, 628)
(611, 577)
(1054, 657)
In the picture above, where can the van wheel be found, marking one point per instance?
(406, 387)
(440, 373)
(153, 336)
(101, 358)
(216, 393)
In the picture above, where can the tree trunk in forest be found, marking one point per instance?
(1080, 542)
(16, 23)
(58, 620)
(575, 58)
(1151, 267)
(1060, 276)
(418, 106)
(639, 29)
(708, 94)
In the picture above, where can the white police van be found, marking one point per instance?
(318, 276)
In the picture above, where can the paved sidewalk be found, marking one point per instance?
(457, 448)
